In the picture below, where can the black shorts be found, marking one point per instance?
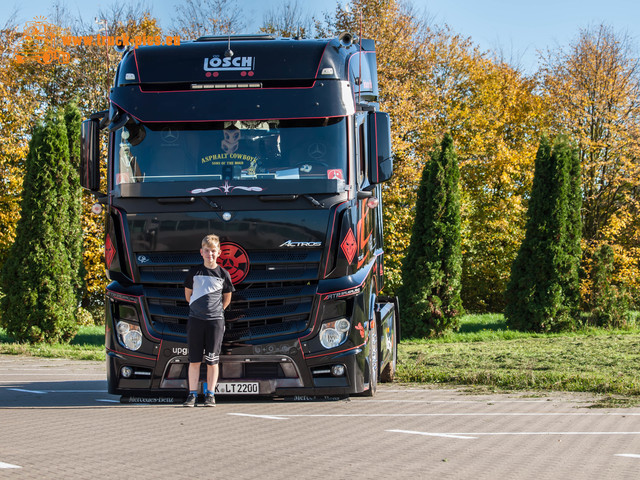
(204, 338)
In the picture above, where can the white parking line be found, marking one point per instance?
(76, 391)
(481, 402)
(550, 433)
(431, 434)
(475, 435)
(50, 375)
(56, 391)
(628, 455)
(270, 417)
(495, 414)
(26, 391)
(8, 465)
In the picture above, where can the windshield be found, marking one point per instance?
(240, 150)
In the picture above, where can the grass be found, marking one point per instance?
(88, 344)
(485, 352)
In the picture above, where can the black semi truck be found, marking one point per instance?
(278, 147)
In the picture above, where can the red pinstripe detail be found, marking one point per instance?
(333, 353)
(138, 301)
(359, 285)
(131, 355)
(211, 90)
(335, 214)
(135, 58)
(321, 57)
(124, 241)
(315, 320)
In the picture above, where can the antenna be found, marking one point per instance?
(360, 59)
(105, 28)
(229, 52)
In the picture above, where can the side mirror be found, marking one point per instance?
(90, 155)
(380, 156)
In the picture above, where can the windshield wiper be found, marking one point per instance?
(313, 201)
(290, 198)
(278, 198)
(212, 204)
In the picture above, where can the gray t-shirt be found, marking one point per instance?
(208, 285)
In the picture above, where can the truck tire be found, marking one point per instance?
(373, 362)
(388, 373)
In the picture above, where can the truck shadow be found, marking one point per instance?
(73, 393)
(93, 393)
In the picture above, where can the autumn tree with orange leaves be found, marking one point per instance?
(433, 81)
(28, 88)
(592, 89)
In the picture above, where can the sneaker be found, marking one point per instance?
(210, 400)
(190, 401)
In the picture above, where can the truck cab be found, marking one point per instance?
(278, 147)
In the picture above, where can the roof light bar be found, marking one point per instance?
(224, 86)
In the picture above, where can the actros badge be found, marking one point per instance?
(291, 244)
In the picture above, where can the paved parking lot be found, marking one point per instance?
(58, 421)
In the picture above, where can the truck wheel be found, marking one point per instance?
(373, 362)
(388, 373)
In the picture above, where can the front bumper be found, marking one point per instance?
(280, 369)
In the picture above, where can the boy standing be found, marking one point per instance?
(208, 290)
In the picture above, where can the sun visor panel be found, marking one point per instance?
(325, 99)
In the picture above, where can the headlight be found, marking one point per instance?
(129, 335)
(333, 334)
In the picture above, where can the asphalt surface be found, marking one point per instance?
(57, 421)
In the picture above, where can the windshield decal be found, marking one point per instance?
(335, 173)
(240, 152)
(226, 188)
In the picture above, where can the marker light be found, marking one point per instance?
(96, 209)
(333, 334)
(372, 202)
(129, 335)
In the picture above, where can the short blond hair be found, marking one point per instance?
(211, 241)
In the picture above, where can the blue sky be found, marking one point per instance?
(517, 28)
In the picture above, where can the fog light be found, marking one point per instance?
(126, 372)
(337, 370)
(129, 335)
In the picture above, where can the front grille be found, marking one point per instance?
(276, 297)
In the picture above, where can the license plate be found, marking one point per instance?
(238, 388)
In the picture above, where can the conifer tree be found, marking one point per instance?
(607, 303)
(543, 290)
(574, 232)
(39, 302)
(73, 239)
(430, 295)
